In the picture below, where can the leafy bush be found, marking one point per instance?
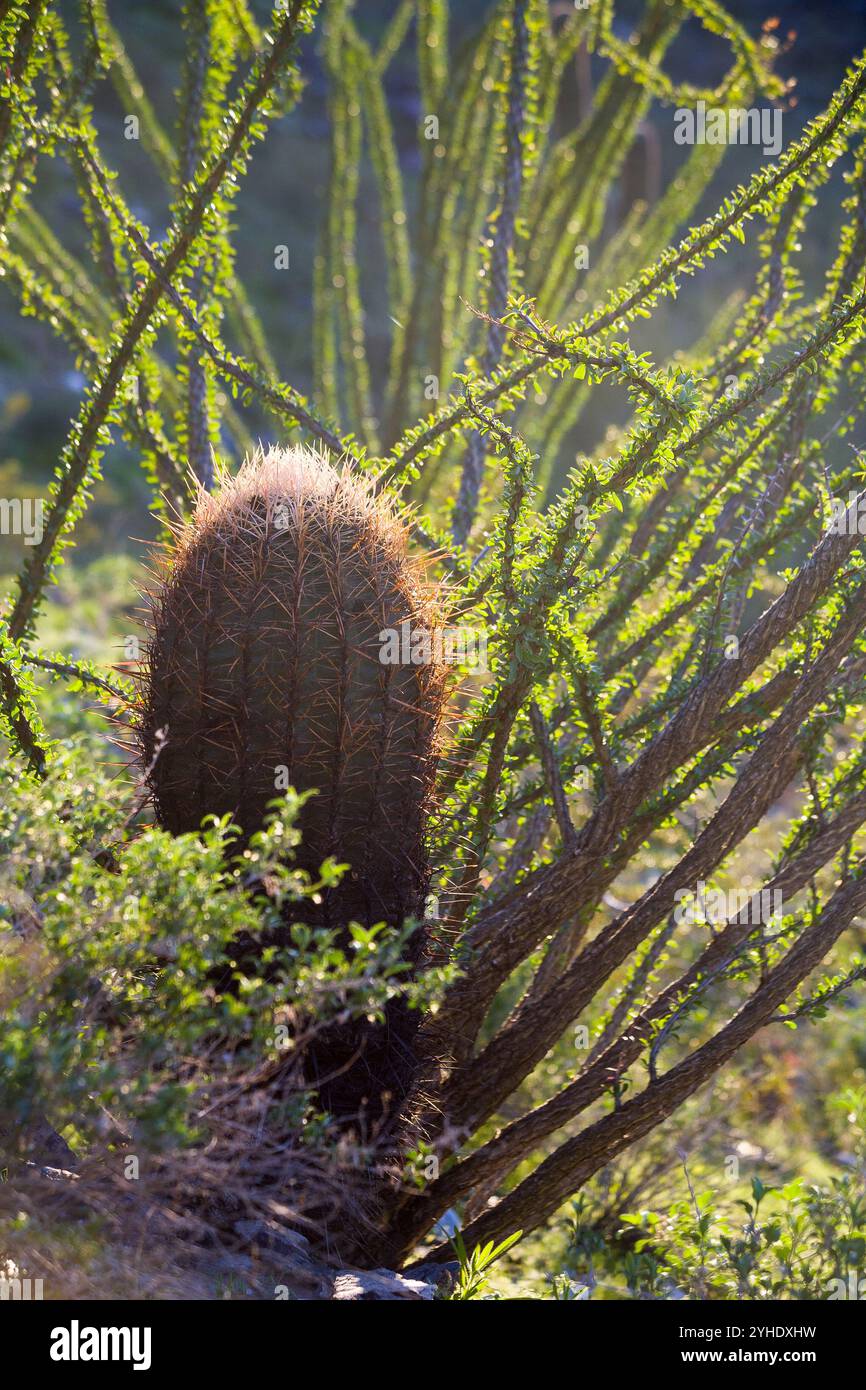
(128, 1018)
(800, 1242)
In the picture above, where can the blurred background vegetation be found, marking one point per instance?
(284, 202)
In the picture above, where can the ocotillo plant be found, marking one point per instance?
(672, 594)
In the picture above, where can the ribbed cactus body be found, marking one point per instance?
(264, 670)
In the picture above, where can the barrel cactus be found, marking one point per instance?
(266, 666)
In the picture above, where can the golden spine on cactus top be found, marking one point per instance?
(264, 668)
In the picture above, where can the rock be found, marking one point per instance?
(44, 1146)
(53, 1174)
(442, 1276)
(286, 1254)
(375, 1285)
(269, 1236)
(299, 1274)
(64, 1185)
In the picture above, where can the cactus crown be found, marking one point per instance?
(264, 668)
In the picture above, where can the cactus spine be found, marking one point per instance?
(264, 663)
